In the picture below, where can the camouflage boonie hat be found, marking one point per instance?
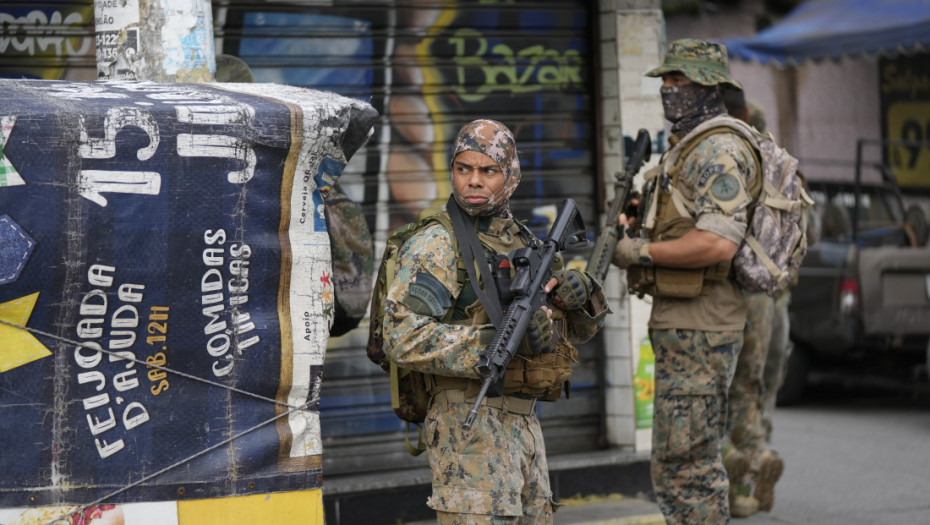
(702, 62)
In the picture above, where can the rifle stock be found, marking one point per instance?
(532, 270)
(599, 262)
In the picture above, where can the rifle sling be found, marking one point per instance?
(470, 247)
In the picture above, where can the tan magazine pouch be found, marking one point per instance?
(541, 374)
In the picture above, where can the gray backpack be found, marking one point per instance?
(776, 239)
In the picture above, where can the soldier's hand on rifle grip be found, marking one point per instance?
(573, 290)
(538, 338)
(632, 208)
(629, 218)
(631, 250)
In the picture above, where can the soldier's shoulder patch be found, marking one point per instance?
(725, 187)
(709, 172)
(427, 296)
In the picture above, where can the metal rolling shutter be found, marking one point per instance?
(48, 40)
(428, 68)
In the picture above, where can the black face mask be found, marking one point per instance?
(688, 105)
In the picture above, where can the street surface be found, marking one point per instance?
(853, 456)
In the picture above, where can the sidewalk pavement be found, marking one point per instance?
(602, 487)
(609, 510)
(601, 510)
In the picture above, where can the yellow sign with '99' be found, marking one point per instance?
(910, 122)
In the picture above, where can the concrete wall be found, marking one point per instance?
(631, 35)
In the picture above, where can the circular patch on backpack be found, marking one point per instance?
(725, 187)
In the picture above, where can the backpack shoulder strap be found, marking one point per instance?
(472, 252)
(387, 270)
(442, 218)
(684, 149)
(693, 141)
(397, 375)
(737, 127)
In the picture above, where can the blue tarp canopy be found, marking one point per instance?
(834, 29)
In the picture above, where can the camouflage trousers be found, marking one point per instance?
(776, 362)
(744, 421)
(760, 371)
(693, 371)
(494, 473)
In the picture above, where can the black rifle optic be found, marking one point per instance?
(532, 271)
(609, 235)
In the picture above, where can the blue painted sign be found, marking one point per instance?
(165, 291)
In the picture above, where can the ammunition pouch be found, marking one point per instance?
(543, 375)
(538, 377)
(682, 283)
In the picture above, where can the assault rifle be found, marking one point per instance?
(603, 251)
(532, 271)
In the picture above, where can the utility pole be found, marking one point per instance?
(160, 40)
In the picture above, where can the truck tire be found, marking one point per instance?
(792, 389)
(835, 223)
(917, 218)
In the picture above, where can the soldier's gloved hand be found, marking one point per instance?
(631, 250)
(574, 288)
(538, 338)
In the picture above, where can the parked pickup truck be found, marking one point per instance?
(862, 302)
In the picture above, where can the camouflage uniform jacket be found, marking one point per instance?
(713, 184)
(418, 340)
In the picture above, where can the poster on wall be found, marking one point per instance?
(905, 100)
(165, 288)
(51, 40)
(429, 68)
(433, 67)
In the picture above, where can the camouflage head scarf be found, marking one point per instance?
(688, 105)
(496, 141)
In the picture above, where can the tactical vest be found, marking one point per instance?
(670, 215)
(541, 376)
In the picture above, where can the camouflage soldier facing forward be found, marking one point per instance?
(695, 217)
(496, 472)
